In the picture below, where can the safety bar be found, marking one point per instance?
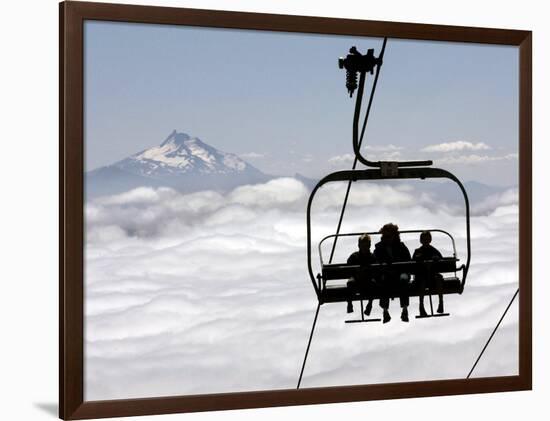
(355, 234)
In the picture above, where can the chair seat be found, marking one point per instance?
(333, 293)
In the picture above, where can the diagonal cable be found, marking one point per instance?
(345, 200)
(308, 345)
(360, 142)
(493, 334)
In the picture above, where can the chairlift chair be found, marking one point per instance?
(331, 271)
(356, 65)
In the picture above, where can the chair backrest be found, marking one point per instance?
(345, 271)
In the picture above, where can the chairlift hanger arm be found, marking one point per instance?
(356, 63)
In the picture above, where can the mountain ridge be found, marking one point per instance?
(182, 162)
(188, 164)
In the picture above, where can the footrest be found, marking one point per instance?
(433, 315)
(363, 320)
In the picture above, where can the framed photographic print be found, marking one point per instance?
(262, 210)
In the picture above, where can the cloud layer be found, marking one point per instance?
(207, 293)
(252, 155)
(458, 146)
(474, 159)
(345, 161)
(458, 154)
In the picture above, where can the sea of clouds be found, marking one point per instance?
(208, 292)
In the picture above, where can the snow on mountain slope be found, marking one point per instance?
(182, 154)
(182, 162)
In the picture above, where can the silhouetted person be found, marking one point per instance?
(362, 257)
(390, 249)
(425, 277)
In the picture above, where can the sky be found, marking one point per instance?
(279, 101)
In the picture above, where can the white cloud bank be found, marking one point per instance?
(474, 159)
(207, 293)
(451, 153)
(457, 146)
(252, 155)
(344, 159)
(386, 148)
(456, 153)
(381, 154)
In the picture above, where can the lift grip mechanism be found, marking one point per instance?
(356, 63)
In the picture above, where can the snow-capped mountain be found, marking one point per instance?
(182, 162)
(182, 154)
(188, 164)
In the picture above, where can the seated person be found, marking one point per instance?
(423, 276)
(361, 257)
(388, 250)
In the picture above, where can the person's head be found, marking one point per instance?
(390, 233)
(364, 243)
(425, 238)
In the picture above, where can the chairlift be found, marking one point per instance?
(357, 64)
(455, 273)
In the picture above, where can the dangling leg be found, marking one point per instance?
(440, 308)
(351, 286)
(368, 309)
(369, 287)
(404, 312)
(404, 296)
(421, 308)
(385, 304)
(308, 344)
(439, 286)
(422, 290)
(382, 283)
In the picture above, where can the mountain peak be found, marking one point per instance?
(181, 154)
(182, 162)
(176, 138)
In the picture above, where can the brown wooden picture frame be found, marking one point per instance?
(71, 318)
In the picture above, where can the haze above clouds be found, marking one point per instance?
(208, 292)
